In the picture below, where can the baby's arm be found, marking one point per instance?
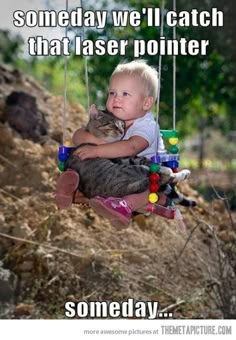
(123, 148)
(82, 136)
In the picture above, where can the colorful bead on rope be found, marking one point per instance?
(172, 138)
(153, 197)
(63, 154)
(154, 181)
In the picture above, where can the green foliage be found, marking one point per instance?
(10, 47)
(49, 71)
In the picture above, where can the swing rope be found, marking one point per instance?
(174, 73)
(85, 66)
(157, 130)
(169, 159)
(65, 113)
(64, 119)
(160, 59)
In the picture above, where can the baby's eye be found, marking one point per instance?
(111, 93)
(125, 94)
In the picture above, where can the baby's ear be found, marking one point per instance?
(148, 103)
(93, 111)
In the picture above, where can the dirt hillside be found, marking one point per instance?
(48, 257)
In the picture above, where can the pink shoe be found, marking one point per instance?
(115, 209)
(66, 187)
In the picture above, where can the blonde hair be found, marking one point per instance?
(139, 68)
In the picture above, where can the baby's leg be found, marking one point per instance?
(66, 188)
(79, 198)
(138, 201)
(119, 210)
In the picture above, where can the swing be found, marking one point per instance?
(169, 159)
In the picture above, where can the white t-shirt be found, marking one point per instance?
(145, 127)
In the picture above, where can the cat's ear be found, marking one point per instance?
(93, 111)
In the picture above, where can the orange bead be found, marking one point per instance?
(67, 143)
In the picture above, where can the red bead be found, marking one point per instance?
(154, 178)
(154, 187)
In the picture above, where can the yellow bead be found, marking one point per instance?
(153, 197)
(67, 143)
(173, 140)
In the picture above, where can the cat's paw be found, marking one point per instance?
(181, 176)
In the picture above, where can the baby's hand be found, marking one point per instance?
(87, 151)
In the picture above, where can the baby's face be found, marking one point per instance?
(127, 98)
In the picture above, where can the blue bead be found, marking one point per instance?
(62, 157)
(172, 164)
(176, 164)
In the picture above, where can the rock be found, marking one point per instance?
(22, 114)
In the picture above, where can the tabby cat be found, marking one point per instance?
(119, 176)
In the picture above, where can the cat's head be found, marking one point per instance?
(105, 125)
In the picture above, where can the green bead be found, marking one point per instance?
(174, 149)
(169, 133)
(154, 167)
(61, 166)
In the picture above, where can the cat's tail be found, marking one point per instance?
(186, 202)
(177, 197)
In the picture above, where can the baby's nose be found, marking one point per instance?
(116, 98)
